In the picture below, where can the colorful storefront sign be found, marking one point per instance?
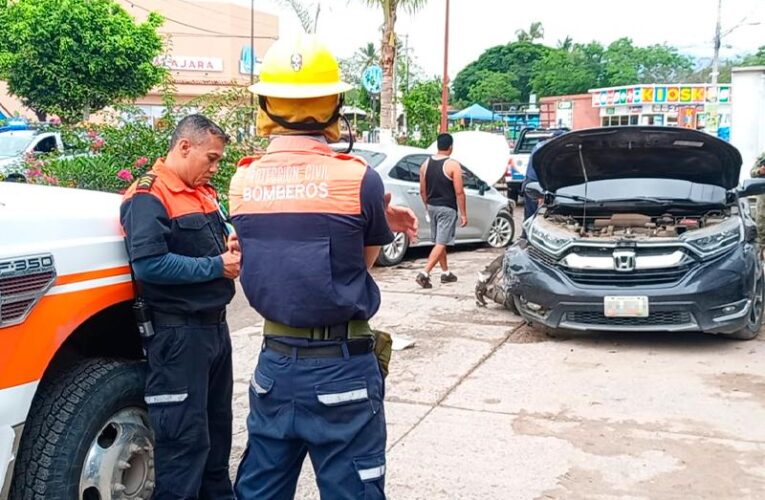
(660, 94)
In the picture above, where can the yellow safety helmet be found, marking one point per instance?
(299, 68)
(300, 90)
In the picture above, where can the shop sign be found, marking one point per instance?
(564, 104)
(190, 63)
(659, 94)
(610, 111)
(636, 109)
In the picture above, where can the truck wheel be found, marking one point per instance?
(88, 436)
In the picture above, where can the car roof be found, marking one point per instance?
(388, 149)
(19, 133)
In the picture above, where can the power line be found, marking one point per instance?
(133, 4)
(205, 35)
(223, 14)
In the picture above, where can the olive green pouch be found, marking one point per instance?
(383, 350)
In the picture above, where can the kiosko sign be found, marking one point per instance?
(190, 63)
(661, 94)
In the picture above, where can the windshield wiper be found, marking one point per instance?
(639, 198)
(575, 197)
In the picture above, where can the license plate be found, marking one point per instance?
(625, 307)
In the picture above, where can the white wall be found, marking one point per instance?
(748, 114)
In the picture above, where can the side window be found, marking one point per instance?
(47, 145)
(469, 178)
(408, 168)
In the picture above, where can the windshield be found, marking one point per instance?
(372, 158)
(13, 143)
(648, 189)
(528, 143)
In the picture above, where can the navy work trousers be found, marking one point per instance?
(328, 408)
(188, 391)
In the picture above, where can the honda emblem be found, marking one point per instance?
(624, 261)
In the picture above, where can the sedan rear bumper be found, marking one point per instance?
(713, 297)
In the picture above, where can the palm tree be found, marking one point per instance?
(535, 32)
(308, 20)
(388, 52)
(367, 56)
(566, 44)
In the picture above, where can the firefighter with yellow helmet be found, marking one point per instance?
(311, 222)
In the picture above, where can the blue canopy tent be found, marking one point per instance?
(476, 112)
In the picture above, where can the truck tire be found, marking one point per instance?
(87, 436)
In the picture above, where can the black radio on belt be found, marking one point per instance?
(143, 318)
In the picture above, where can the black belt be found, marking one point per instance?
(355, 348)
(196, 318)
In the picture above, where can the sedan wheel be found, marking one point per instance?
(501, 231)
(393, 253)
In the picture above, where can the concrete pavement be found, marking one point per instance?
(486, 408)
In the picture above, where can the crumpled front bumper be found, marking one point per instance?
(546, 296)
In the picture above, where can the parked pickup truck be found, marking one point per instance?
(15, 144)
(519, 158)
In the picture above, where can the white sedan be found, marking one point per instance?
(490, 217)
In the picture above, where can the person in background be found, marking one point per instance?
(530, 203)
(443, 193)
(758, 171)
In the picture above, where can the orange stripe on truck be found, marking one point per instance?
(92, 275)
(26, 349)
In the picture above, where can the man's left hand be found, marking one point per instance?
(401, 219)
(233, 244)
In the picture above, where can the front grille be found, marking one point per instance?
(539, 256)
(17, 285)
(25, 281)
(640, 277)
(661, 318)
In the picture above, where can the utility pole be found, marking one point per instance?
(712, 117)
(406, 79)
(445, 83)
(252, 60)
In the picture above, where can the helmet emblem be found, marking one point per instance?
(297, 62)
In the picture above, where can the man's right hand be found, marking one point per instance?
(231, 264)
(463, 220)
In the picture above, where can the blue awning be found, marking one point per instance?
(476, 112)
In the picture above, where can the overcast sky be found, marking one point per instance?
(477, 25)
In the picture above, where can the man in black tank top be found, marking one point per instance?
(442, 192)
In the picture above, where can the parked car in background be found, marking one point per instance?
(489, 215)
(643, 228)
(20, 141)
(519, 158)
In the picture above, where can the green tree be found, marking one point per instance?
(390, 10)
(756, 59)
(626, 64)
(422, 104)
(535, 32)
(75, 57)
(493, 87)
(573, 71)
(516, 58)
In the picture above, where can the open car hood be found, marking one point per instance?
(636, 152)
(483, 153)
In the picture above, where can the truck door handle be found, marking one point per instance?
(413, 191)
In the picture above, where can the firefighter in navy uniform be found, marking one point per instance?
(176, 240)
(311, 222)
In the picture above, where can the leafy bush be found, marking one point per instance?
(108, 157)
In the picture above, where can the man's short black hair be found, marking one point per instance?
(195, 128)
(444, 141)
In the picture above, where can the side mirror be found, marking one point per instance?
(751, 187)
(534, 190)
(482, 188)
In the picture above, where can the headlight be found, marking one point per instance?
(550, 242)
(717, 239)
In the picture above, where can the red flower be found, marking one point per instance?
(140, 162)
(125, 175)
(97, 144)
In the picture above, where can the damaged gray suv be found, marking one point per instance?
(641, 229)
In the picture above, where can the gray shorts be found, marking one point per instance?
(443, 224)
